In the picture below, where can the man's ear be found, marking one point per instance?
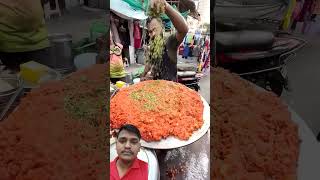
(139, 146)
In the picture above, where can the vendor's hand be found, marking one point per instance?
(143, 79)
(157, 3)
(146, 77)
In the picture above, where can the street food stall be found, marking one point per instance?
(129, 14)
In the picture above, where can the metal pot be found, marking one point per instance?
(61, 51)
(140, 56)
(129, 78)
(6, 95)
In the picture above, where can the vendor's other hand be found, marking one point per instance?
(145, 78)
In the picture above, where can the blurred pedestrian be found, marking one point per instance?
(295, 14)
(186, 50)
(306, 14)
(196, 51)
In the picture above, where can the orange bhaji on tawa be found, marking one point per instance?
(159, 109)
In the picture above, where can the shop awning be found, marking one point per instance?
(137, 4)
(124, 10)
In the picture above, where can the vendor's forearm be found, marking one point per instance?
(177, 19)
(144, 74)
(146, 70)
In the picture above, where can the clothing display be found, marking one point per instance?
(137, 35)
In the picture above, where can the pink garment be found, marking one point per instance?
(137, 43)
(306, 11)
(137, 35)
(297, 10)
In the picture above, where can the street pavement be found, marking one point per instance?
(304, 76)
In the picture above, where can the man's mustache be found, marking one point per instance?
(126, 152)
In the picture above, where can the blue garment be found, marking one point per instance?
(186, 51)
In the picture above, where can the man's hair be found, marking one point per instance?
(131, 128)
(156, 18)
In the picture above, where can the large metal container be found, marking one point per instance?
(5, 96)
(61, 56)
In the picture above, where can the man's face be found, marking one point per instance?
(154, 29)
(128, 145)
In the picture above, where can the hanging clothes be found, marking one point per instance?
(297, 9)
(317, 7)
(295, 14)
(287, 17)
(197, 36)
(137, 35)
(305, 15)
(306, 11)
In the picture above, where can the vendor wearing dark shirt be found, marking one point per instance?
(165, 67)
(127, 166)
